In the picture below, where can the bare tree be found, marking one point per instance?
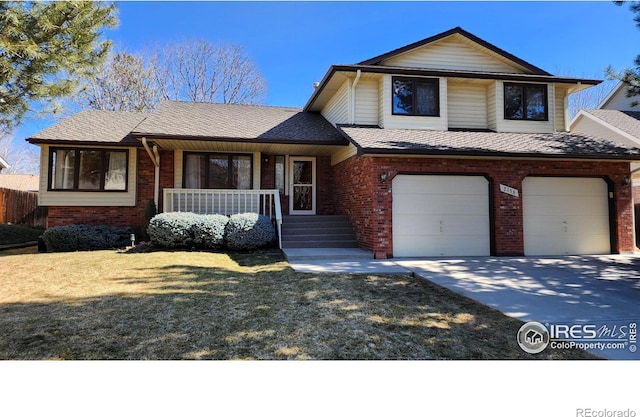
(197, 70)
(23, 158)
(190, 70)
(124, 83)
(589, 98)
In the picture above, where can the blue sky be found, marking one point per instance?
(294, 43)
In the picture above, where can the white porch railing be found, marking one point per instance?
(227, 202)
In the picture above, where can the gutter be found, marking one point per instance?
(155, 158)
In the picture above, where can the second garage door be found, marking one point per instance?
(565, 216)
(440, 215)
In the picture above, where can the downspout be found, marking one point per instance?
(353, 96)
(567, 115)
(155, 158)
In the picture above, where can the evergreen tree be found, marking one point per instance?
(46, 48)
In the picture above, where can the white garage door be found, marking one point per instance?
(440, 215)
(565, 216)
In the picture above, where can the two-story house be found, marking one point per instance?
(616, 118)
(446, 147)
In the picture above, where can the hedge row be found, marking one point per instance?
(82, 237)
(244, 231)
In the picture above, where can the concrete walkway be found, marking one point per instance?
(600, 291)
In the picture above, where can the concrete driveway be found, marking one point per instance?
(601, 292)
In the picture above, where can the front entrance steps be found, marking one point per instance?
(328, 233)
(298, 255)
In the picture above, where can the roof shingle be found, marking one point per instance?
(371, 139)
(627, 121)
(92, 126)
(238, 122)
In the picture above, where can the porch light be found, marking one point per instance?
(626, 181)
(383, 177)
(266, 159)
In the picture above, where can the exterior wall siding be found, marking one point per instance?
(367, 201)
(451, 54)
(620, 101)
(560, 121)
(366, 109)
(492, 115)
(467, 106)
(591, 127)
(120, 216)
(337, 109)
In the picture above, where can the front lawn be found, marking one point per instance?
(196, 305)
(16, 233)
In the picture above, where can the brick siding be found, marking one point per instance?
(367, 201)
(121, 216)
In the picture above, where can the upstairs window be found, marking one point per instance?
(415, 97)
(525, 101)
(88, 169)
(216, 170)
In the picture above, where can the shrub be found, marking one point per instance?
(186, 230)
(149, 213)
(208, 231)
(249, 231)
(81, 237)
(172, 230)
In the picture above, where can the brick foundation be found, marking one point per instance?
(360, 194)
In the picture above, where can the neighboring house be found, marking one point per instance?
(3, 164)
(20, 182)
(616, 119)
(19, 200)
(446, 147)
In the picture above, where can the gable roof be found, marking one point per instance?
(455, 31)
(337, 74)
(374, 140)
(617, 98)
(234, 122)
(626, 121)
(92, 127)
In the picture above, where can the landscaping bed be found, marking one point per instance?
(201, 305)
(13, 234)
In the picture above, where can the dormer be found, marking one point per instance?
(450, 81)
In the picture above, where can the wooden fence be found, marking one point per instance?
(21, 207)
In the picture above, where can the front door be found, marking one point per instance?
(303, 185)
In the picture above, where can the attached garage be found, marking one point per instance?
(440, 215)
(565, 216)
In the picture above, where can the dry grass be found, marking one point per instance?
(193, 305)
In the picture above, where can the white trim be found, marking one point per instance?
(611, 95)
(313, 186)
(604, 124)
(4, 164)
